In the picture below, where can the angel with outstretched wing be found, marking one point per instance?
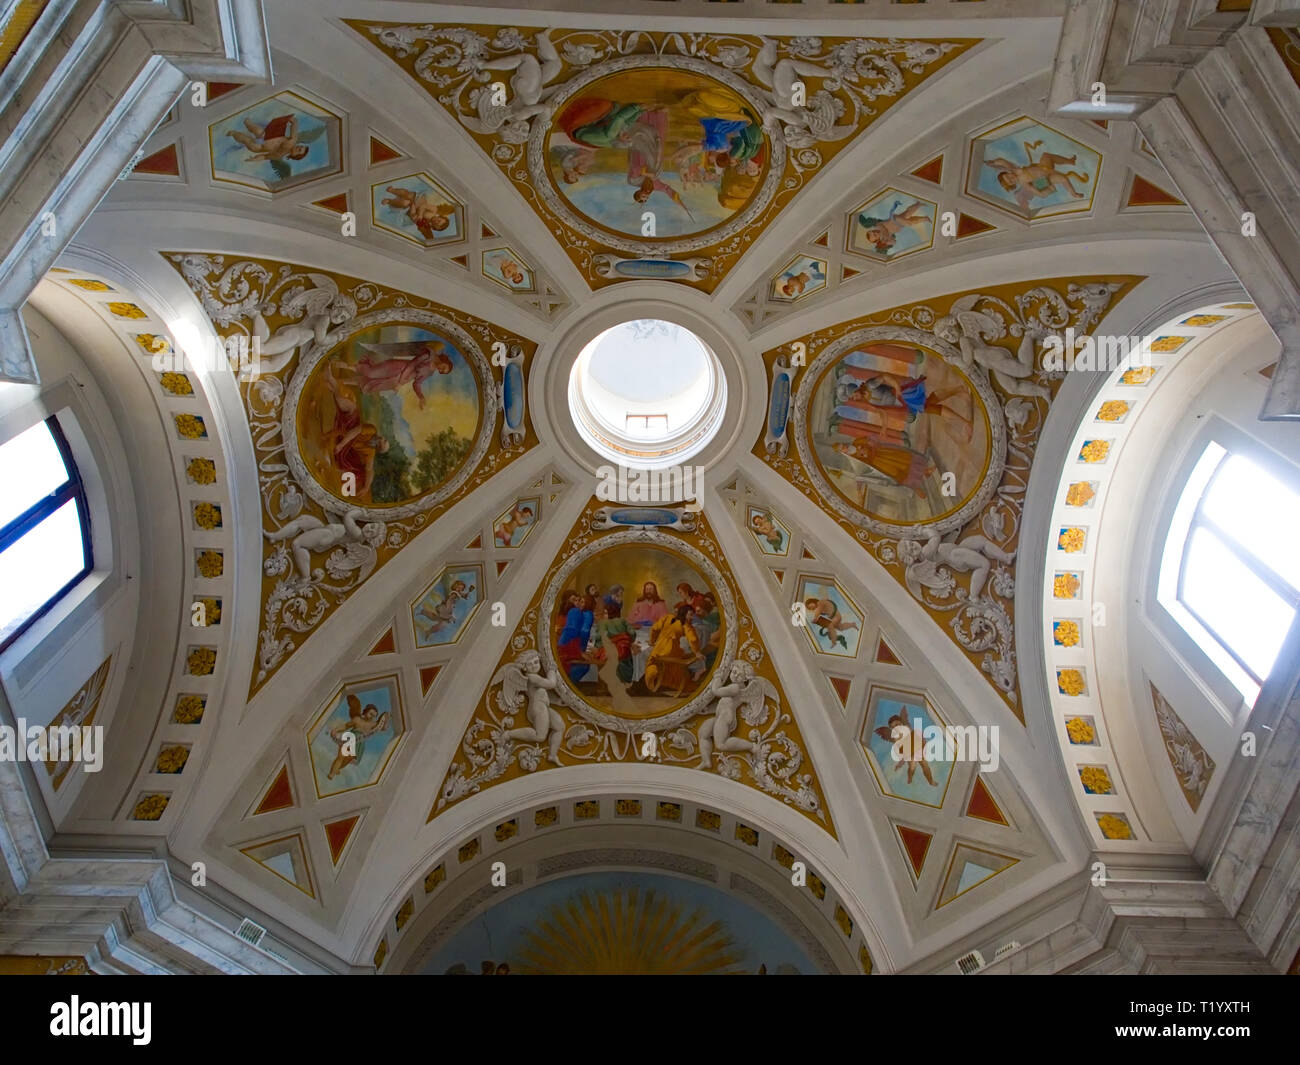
(351, 735)
(523, 679)
(389, 366)
(278, 141)
(744, 691)
(908, 747)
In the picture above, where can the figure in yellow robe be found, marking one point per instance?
(667, 665)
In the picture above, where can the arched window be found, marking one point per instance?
(45, 546)
(1230, 574)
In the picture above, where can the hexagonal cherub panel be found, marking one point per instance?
(417, 209)
(897, 737)
(801, 276)
(354, 737)
(443, 611)
(507, 268)
(769, 531)
(832, 620)
(276, 144)
(890, 225)
(1032, 171)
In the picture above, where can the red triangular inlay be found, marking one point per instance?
(1145, 194)
(847, 272)
(931, 171)
(386, 644)
(809, 554)
(841, 686)
(164, 161)
(1100, 122)
(338, 204)
(779, 574)
(461, 260)
(501, 567)
(982, 806)
(428, 674)
(969, 227)
(218, 89)
(916, 844)
(885, 654)
(337, 833)
(475, 543)
(824, 240)
(487, 232)
(381, 152)
(279, 796)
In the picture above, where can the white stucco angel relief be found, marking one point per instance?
(925, 563)
(510, 113)
(321, 308)
(523, 682)
(742, 692)
(971, 331)
(357, 544)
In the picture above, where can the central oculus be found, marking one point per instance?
(647, 393)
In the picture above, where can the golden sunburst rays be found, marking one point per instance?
(625, 932)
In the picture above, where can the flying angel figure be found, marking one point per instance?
(351, 735)
(277, 142)
(388, 367)
(908, 748)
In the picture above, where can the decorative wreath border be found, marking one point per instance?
(544, 184)
(978, 382)
(726, 601)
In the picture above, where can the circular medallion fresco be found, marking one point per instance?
(637, 630)
(392, 419)
(676, 141)
(897, 434)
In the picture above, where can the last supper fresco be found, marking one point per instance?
(637, 630)
(389, 415)
(673, 142)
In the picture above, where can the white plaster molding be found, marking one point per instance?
(124, 63)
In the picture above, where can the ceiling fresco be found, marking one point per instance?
(459, 651)
(971, 187)
(926, 805)
(329, 772)
(659, 155)
(915, 429)
(605, 923)
(638, 647)
(315, 156)
(372, 409)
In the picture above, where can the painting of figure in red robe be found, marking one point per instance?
(389, 415)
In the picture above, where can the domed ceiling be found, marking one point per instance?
(441, 661)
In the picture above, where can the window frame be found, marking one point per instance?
(73, 489)
(1184, 631)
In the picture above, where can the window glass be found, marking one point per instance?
(44, 548)
(30, 469)
(1241, 609)
(36, 567)
(1254, 507)
(1229, 575)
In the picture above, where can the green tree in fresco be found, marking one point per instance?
(439, 458)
